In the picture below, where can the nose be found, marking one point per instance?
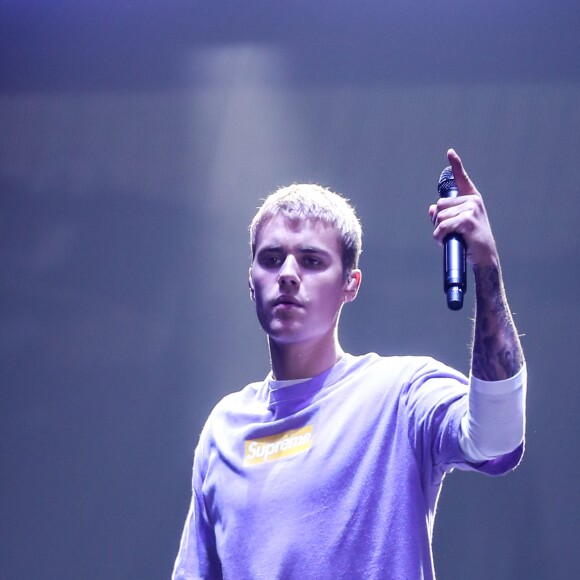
(289, 273)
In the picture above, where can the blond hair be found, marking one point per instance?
(308, 201)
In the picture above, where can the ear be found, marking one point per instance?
(251, 285)
(352, 286)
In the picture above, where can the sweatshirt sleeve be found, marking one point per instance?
(197, 557)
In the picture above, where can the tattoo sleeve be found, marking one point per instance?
(497, 352)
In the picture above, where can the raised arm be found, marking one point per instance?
(497, 352)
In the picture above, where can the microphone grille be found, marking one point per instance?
(446, 181)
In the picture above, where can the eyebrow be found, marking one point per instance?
(303, 250)
(311, 250)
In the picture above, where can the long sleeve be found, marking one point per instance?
(495, 421)
(197, 557)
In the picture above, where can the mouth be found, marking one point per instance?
(287, 302)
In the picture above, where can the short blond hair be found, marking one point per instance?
(308, 201)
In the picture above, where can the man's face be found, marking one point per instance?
(297, 280)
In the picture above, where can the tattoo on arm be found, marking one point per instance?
(497, 352)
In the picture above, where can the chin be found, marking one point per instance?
(285, 335)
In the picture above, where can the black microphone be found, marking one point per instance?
(454, 271)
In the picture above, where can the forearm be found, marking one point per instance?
(497, 353)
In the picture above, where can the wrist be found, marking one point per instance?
(486, 262)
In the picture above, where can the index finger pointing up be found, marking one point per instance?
(464, 184)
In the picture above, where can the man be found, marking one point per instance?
(331, 467)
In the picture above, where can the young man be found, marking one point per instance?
(331, 467)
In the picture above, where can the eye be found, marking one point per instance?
(270, 260)
(312, 262)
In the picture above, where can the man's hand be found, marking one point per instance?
(465, 215)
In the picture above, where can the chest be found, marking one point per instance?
(349, 451)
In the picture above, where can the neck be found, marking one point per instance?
(304, 360)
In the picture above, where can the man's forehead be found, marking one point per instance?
(281, 223)
(279, 229)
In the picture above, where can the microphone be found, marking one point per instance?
(454, 271)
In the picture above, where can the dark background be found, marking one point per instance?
(136, 140)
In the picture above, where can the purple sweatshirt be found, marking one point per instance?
(336, 477)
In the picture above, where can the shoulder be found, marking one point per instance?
(403, 367)
(238, 401)
(229, 416)
(234, 411)
(406, 376)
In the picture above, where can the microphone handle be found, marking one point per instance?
(454, 265)
(454, 271)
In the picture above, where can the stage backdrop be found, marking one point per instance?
(136, 140)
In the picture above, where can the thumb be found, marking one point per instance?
(464, 185)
